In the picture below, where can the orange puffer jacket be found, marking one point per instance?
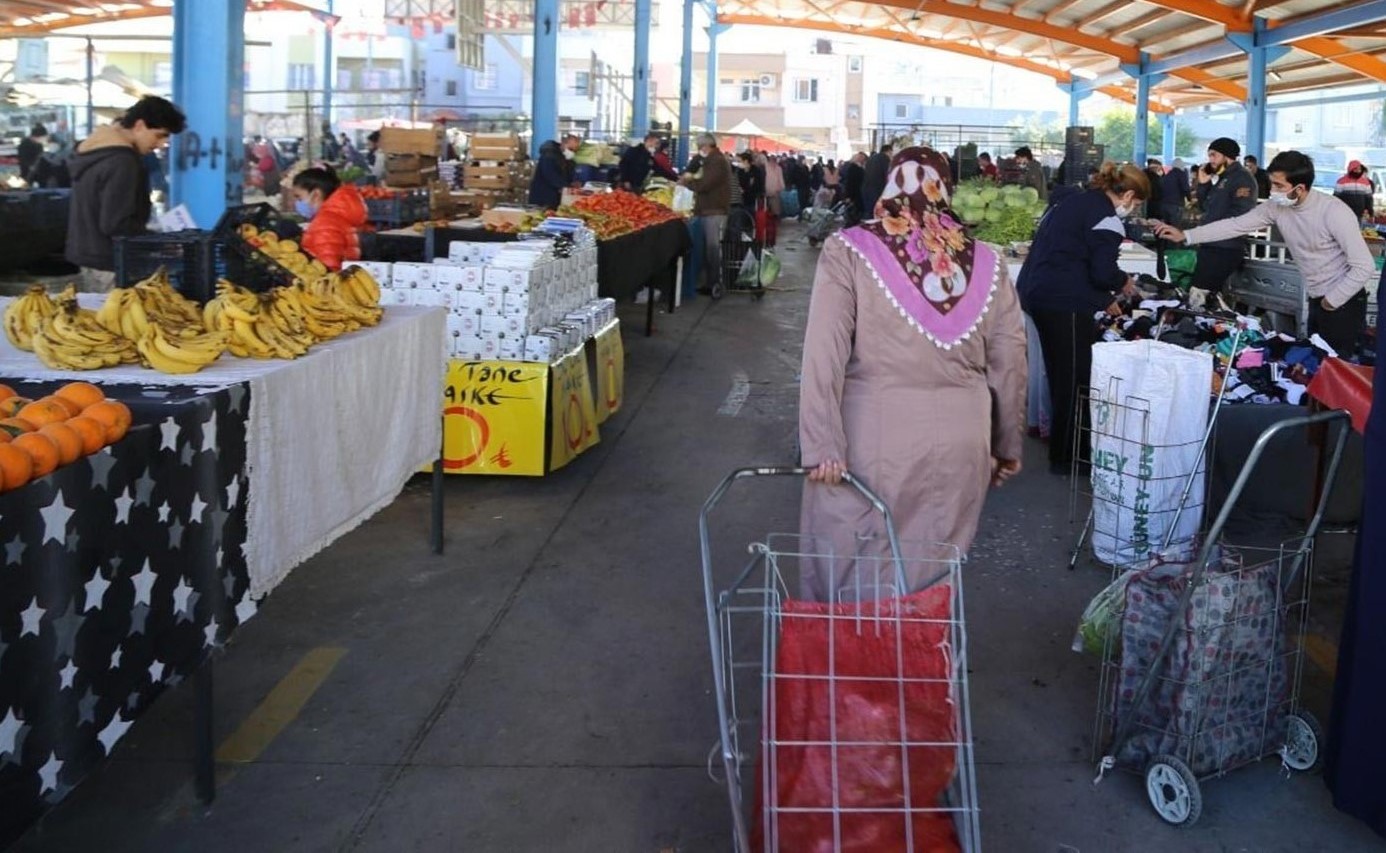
(331, 233)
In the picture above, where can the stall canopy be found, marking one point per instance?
(20, 18)
(746, 134)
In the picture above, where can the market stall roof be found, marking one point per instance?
(1098, 42)
(745, 127)
(19, 18)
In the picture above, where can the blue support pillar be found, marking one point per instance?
(1167, 152)
(209, 85)
(714, 29)
(640, 110)
(327, 75)
(1259, 57)
(686, 82)
(1076, 95)
(545, 106)
(91, 108)
(1138, 153)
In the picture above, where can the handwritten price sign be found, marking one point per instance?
(493, 417)
(611, 371)
(571, 408)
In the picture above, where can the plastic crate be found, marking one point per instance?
(405, 208)
(194, 260)
(263, 216)
(255, 270)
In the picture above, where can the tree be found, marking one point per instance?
(1037, 136)
(1117, 131)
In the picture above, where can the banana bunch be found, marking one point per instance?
(72, 339)
(268, 326)
(180, 354)
(132, 311)
(25, 316)
(283, 251)
(352, 292)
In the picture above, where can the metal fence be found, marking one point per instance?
(998, 140)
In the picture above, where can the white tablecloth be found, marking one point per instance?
(332, 436)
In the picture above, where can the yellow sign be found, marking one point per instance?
(574, 418)
(493, 417)
(611, 371)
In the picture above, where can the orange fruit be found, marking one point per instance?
(93, 433)
(82, 393)
(6, 392)
(42, 449)
(67, 439)
(10, 406)
(5, 437)
(72, 409)
(111, 414)
(43, 412)
(16, 467)
(16, 426)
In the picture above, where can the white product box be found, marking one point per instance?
(493, 325)
(430, 298)
(490, 346)
(469, 323)
(447, 277)
(541, 348)
(395, 297)
(512, 349)
(380, 271)
(493, 300)
(407, 275)
(519, 304)
(467, 302)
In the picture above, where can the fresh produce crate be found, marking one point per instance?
(263, 216)
(401, 140)
(194, 261)
(254, 270)
(402, 207)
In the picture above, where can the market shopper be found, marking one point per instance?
(637, 163)
(752, 179)
(1174, 192)
(335, 213)
(913, 378)
(1356, 189)
(375, 157)
(853, 175)
(1323, 237)
(1032, 174)
(1070, 275)
(774, 185)
(1225, 190)
(1262, 179)
(110, 187)
(553, 172)
(712, 194)
(873, 180)
(31, 150)
(986, 168)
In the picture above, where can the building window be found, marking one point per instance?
(485, 80)
(946, 101)
(1299, 127)
(451, 88)
(806, 91)
(902, 111)
(854, 64)
(452, 41)
(853, 112)
(582, 82)
(301, 76)
(726, 81)
(750, 91)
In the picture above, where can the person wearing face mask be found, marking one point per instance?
(110, 187)
(335, 213)
(1071, 274)
(1323, 237)
(554, 171)
(1032, 173)
(1225, 190)
(1356, 189)
(638, 162)
(712, 193)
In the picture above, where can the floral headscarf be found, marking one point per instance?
(938, 277)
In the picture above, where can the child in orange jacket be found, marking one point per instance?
(335, 212)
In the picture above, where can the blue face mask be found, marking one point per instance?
(304, 208)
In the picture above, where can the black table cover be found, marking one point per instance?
(626, 264)
(118, 574)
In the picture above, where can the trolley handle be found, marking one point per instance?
(705, 536)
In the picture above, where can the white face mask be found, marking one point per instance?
(568, 154)
(1281, 199)
(1123, 211)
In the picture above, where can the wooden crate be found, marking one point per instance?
(401, 140)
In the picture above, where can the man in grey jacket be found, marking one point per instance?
(1322, 234)
(712, 190)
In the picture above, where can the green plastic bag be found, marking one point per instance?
(769, 268)
(1181, 263)
(746, 276)
(1101, 622)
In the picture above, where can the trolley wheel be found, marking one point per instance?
(1173, 791)
(1304, 740)
(717, 290)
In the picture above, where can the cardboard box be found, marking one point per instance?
(541, 348)
(500, 217)
(447, 277)
(407, 275)
(401, 140)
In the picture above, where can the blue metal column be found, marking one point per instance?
(327, 76)
(1258, 62)
(1076, 96)
(209, 86)
(91, 108)
(545, 106)
(1167, 149)
(1142, 119)
(714, 29)
(640, 107)
(686, 82)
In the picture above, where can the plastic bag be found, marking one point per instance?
(749, 270)
(683, 199)
(769, 268)
(850, 695)
(1101, 620)
(1180, 263)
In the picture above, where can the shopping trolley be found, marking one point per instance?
(823, 221)
(851, 743)
(1203, 666)
(739, 243)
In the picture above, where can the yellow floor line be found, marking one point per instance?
(280, 707)
(1322, 652)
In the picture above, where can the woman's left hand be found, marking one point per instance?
(1003, 469)
(829, 472)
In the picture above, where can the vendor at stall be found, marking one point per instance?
(335, 212)
(554, 171)
(1323, 237)
(638, 162)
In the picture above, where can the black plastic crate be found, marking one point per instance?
(194, 261)
(263, 216)
(405, 208)
(254, 269)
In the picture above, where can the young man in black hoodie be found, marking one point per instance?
(110, 187)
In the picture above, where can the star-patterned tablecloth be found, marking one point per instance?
(118, 574)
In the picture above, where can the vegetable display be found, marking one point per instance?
(616, 213)
(1000, 214)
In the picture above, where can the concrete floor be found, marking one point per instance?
(545, 686)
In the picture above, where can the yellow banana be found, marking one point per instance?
(245, 333)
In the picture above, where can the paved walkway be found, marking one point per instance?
(545, 686)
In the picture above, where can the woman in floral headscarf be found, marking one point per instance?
(914, 376)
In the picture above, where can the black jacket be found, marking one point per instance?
(752, 180)
(1174, 188)
(1262, 183)
(110, 198)
(852, 178)
(1072, 266)
(873, 182)
(1233, 194)
(551, 174)
(29, 154)
(636, 165)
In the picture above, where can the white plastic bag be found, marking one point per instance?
(1149, 411)
(683, 199)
